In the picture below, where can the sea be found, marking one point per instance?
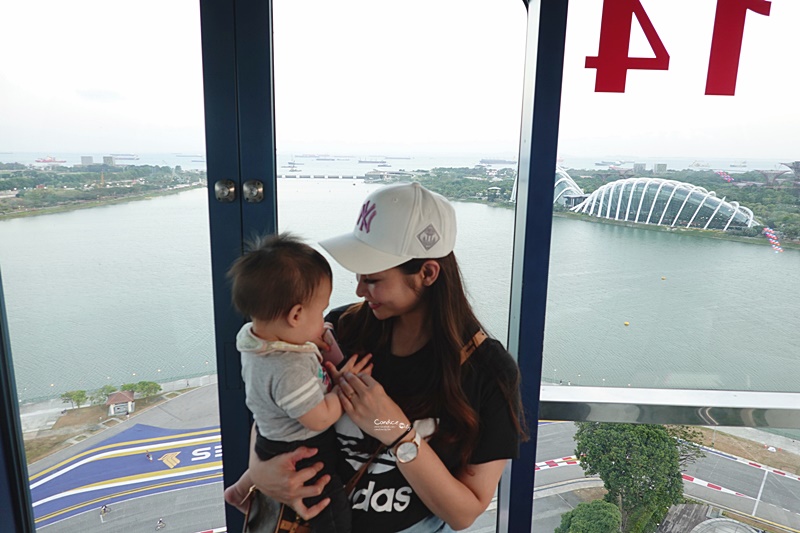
(324, 164)
(122, 293)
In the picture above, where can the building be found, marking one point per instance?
(639, 168)
(108, 160)
(665, 203)
(121, 403)
(660, 168)
(87, 160)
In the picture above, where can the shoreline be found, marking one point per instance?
(65, 208)
(711, 234)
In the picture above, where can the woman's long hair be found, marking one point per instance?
(452, 324)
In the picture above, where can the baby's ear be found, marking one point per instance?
(293, 316)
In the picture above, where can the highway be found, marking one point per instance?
(182, 482)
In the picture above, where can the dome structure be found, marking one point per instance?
(665, 203)
(564, 186)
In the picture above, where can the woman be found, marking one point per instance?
(445, 415)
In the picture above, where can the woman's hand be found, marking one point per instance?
(354, 365)
(278, 479)
(370, 408)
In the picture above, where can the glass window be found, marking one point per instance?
(105, 260)
(674, 265)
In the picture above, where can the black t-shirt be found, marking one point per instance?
(383, 501)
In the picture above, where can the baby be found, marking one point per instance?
(284, 286)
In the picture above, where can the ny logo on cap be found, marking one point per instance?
(428, 237)
(368, 212)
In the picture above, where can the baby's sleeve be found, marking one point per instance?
(299, 387)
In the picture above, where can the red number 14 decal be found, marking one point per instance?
(612, 61)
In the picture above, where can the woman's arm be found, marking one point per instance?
(457, 501)
(278, 479)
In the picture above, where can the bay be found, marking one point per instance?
(122, 293)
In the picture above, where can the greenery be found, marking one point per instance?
(596, 517)
(685, 438)
(25, 189)
(148, 388)
(100, 396)
(479, 183)
(639, 466)
(75, 397)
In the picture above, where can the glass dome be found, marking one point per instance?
(665, 203)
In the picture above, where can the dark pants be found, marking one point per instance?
(335, 518)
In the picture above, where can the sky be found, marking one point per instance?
(414, 77)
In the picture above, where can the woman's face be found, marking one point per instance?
(390, 293)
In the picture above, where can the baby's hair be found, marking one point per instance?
(276, 273)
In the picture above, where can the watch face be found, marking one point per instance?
(407, 451)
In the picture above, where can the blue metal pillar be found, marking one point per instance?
(544, 61)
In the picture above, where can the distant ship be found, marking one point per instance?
(371, 161)
(384, 165)
(50, 159)
(740, 164)
(132, 157)
(326, 159)
(699, 164)
(497, 162)
(607, 163)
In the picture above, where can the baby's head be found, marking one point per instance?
(282, 284)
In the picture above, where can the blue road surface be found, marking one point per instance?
(118, 469)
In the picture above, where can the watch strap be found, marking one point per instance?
(398, 439)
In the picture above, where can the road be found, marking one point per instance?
(183, 485)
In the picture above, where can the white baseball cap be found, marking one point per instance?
(396, 223)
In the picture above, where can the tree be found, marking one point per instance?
(107, 390)
(596, 517)
(75, 397)
(101, 395)
(687, 438)
(128, 387)
(639, 466)
(148, 388)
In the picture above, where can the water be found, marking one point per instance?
(348, 164)
(122, 293)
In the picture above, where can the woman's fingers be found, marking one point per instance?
(356, 382)
(347, 405)
(307, 513)
(368, 380)
(301, 453)
(361, 364)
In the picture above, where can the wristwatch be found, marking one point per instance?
(405, 452)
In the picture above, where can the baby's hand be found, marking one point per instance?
(354, 365)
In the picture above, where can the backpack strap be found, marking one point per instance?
(472, 345)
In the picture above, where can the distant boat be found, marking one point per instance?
(198, 160)
(699, 164)
(132, 157)
(740, 164)
(497, 162)
(607, 163)
(384, 165)
(326, 159)
(371, 161)
(50, 159)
